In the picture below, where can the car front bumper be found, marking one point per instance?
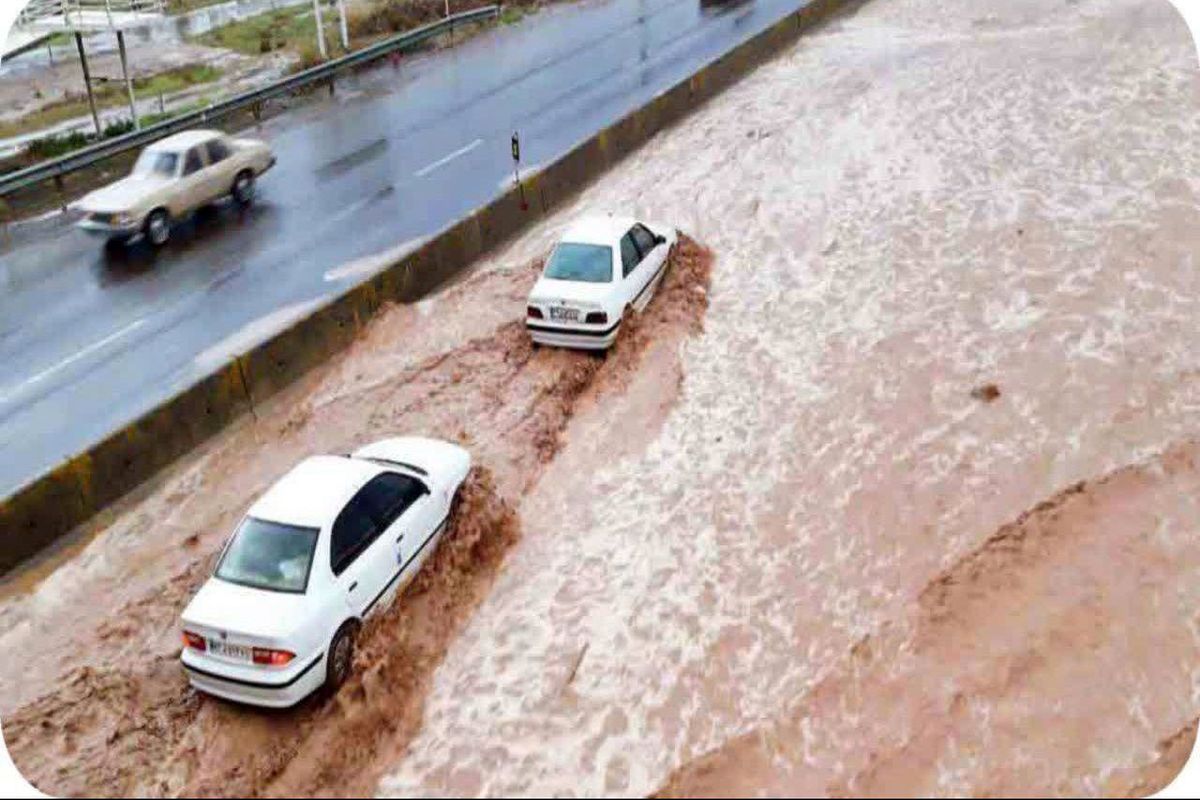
(108, 229)
(574, 336)
(256, 687)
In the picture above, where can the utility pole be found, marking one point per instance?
(87, 82)
(320, 30)
(341, 7)
(133, 115)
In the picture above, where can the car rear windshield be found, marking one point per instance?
(570, 261)
(152, 162)
(269, 555)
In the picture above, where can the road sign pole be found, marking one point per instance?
(516, 156)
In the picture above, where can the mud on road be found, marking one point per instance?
(119, 718)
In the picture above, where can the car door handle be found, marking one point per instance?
(354, 586)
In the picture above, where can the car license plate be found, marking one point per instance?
(564, 314)
(238, 652)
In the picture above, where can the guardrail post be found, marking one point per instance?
(62, 193)
(4, 215)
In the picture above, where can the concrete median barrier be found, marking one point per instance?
(76, 490)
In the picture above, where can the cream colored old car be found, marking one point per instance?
(172, 178)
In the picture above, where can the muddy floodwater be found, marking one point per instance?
(894, 489)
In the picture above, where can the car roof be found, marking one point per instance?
(183, 140)
(604, 229)
(314, 491)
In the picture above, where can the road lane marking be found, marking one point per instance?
(66, 362)
(443, 161)
(369, 265)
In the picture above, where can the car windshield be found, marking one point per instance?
(156, 162)
(269, 555)
(570, 261)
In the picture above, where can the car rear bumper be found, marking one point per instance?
(107, 229)
(578, 337)
(283, 689)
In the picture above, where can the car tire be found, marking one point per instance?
(340, 659)
(157, 228)
(243, 188)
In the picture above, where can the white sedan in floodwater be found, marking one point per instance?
(333, 541)
(602, 268)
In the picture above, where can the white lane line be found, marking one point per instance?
(369, 265)
(66, 362)
(441, 162)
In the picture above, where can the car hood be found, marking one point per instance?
(254, 614)
(548, 290)
(123, 195)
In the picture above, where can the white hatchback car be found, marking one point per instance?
(334, 540)
(602, 268)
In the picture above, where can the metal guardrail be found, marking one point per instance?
(319, 74)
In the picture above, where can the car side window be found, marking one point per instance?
(629, 254)
(353, 531)
(192, 161)
(389, 495)
(217, 151)
(644, 239)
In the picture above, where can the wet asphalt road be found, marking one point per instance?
(92, 337)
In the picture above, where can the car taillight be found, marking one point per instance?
(273, 658)
(194, 641)
(534, 312)
(596, 317)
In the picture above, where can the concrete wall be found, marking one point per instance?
(77, 489)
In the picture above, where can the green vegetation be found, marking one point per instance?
(174, 80)
(183, 6)
(264, 33)
(108, 95)
(513, 14)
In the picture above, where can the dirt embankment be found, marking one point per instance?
(119, 719)
(1005, 662)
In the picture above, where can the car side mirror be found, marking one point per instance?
(659, 238)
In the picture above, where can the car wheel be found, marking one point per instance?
(158, 227)
(243, 188)
(340, 659)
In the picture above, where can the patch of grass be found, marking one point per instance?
(510, 15)
(183, 6)
(109, 95)
(264, 33)
(176, 79)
